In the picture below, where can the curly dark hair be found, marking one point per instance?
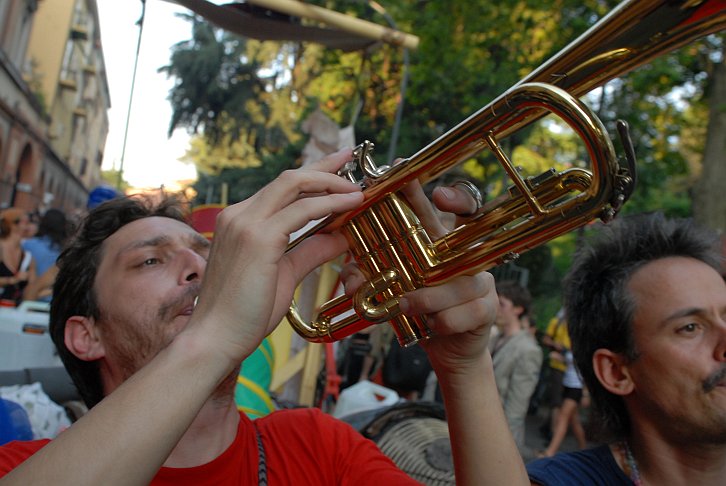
(73, 290)
(599, 308)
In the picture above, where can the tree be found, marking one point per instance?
(111, 177)
(229, 92)
(709, 205)
(217, 90)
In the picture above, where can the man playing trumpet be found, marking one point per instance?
(153, 324)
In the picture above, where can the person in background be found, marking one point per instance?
(516, 357)
(405, 370)
(568, 415)
(555, 340)
(646, 311)
(17, 267)
(96, 196)
(101, 194)
(45, 247)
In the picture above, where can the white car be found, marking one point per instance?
(24, 337)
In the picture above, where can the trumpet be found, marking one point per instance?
(388, 241)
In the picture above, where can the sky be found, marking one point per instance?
(150, 158)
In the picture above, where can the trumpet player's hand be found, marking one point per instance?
(250, 278)
(462, 311)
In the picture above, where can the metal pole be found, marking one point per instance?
(140, 23)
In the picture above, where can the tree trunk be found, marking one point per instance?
(709, 203)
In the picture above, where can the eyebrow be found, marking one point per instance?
(198, 242)
(688, 311)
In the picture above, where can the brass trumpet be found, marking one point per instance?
(385, 236)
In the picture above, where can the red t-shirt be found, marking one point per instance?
(302, 446)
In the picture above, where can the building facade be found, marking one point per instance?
(54, 100)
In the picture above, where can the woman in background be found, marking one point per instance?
(17, 267)
(45, 247)
(573, 392)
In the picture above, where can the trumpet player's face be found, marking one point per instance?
(149, 276)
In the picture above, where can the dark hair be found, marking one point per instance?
(54, 225)
(599, 308)
(519, 295)
(73, 290)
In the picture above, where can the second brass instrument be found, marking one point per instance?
(387, 239)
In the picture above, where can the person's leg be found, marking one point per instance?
(569, 406)
(554, 400)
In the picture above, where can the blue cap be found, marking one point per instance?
(101, 194)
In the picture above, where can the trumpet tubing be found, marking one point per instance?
(386, 237)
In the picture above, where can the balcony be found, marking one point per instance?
(79, 32)
(68, 83)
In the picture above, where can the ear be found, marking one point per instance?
(612, 372)
(82, 338)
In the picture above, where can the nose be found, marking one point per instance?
(720, 352)
(193, 266)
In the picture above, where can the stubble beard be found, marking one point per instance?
(133, 344)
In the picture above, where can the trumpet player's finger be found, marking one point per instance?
(313, 251)
(470, 316)
(463, 304)
(332, 162)
(462, 200)
(457, 291)
(422, 206)
(289, 186)
(301, 211)
(352, 278)
(315, 178)
(424, 210)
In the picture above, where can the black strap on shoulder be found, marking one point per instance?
(262, 464)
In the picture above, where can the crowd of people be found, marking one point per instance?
(30, 243)
(152, 324)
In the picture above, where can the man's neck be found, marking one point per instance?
(211, 433)
(661, 462)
